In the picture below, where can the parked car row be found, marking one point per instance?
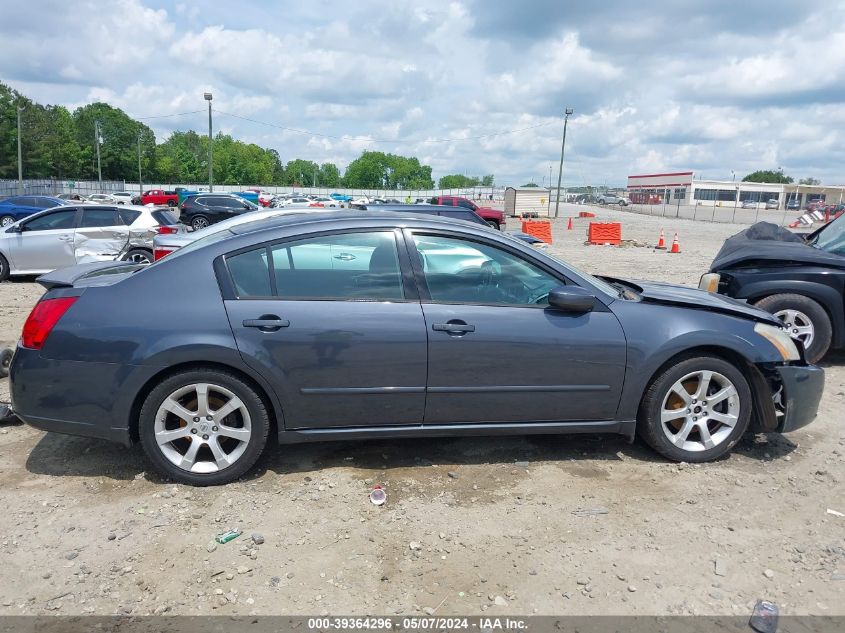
(67, 235)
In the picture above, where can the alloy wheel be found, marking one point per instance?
(7, 221)
(798, 325)
(199, 223)
(700, 410)
(202, 428)
(139, 258)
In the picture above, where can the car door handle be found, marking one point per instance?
(453, 327)
(346, 257)
(66, 238)
(268, 323)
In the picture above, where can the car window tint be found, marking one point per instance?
(462, 271)
(466, 204)
(128, 216)
(93, 218)
(43, 203)
(56, 220)
(356, 266)
(164, 218)
(250, 273)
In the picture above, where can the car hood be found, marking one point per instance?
(686, 297)
(765, 242)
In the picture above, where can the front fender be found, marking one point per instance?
(658, 333)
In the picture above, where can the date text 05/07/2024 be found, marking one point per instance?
(416, 624)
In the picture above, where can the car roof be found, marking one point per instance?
(301, 219)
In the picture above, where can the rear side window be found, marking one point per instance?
(92, 218)
(352, 266)
(250, 273)
(164, 218)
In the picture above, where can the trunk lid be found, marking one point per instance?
(88, 275)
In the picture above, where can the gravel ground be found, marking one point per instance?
(522, 525)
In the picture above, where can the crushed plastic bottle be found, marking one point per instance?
(378, 496)
(764, 618)
(230, 535)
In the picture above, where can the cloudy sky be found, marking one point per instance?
(712, 85)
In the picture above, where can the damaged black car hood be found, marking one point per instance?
(686, 297)
(764, 242)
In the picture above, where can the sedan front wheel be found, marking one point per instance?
(203, 427)
(695, 410)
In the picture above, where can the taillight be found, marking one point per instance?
(159, 252)
(167, 230)
(42, 319)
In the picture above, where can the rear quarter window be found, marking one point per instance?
(128, 216)
(164, 218)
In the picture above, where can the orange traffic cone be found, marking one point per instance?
(676, 248)
(569, 225)
(661, 242)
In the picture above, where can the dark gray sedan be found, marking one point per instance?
(331, 326)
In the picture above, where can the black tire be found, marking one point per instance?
(139, 256)
(817, 315)
(7, 220)
(171, 203)
(5, 361)
(493, 224)
(650, 426)
(4, 268)
(199, 222)
(216, 378)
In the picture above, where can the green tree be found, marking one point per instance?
(530, 184)
(809, 181)
(456, 181)
(329, 175)
(487, 181)
(374, 170)
(768, 175)
(300, 172)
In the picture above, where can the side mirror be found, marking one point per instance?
(571, 299)
(15, 229)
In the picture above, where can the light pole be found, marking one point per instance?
(140, 182)
(20, 164)
(97, 143)
(567, 114)
(207, 97)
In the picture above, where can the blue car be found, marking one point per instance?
(340, 197)
(355, 325)
(18, 207)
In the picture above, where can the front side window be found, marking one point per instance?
(350, 266)
(462, 271)
(49, 221)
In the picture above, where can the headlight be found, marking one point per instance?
(780, 339)
(709, 282)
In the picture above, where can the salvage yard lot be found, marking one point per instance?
(521, 525)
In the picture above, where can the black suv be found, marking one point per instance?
(207, 208)
(798, 278)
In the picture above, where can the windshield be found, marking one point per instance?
(832, 237)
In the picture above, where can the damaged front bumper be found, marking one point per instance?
(802, 392)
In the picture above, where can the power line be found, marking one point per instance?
(383, 140)
(167, 116)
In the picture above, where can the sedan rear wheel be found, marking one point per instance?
(203, 427)
(695, 410)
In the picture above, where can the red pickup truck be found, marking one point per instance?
(160, 197)
(493, 217)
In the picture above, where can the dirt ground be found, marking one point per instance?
(522, 525)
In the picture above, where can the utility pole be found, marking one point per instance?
(207, 97)
(97, 143)
(567, 114)
(20, 164)
(140, 182)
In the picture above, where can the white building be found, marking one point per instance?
(526, 200)
(684, 188)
